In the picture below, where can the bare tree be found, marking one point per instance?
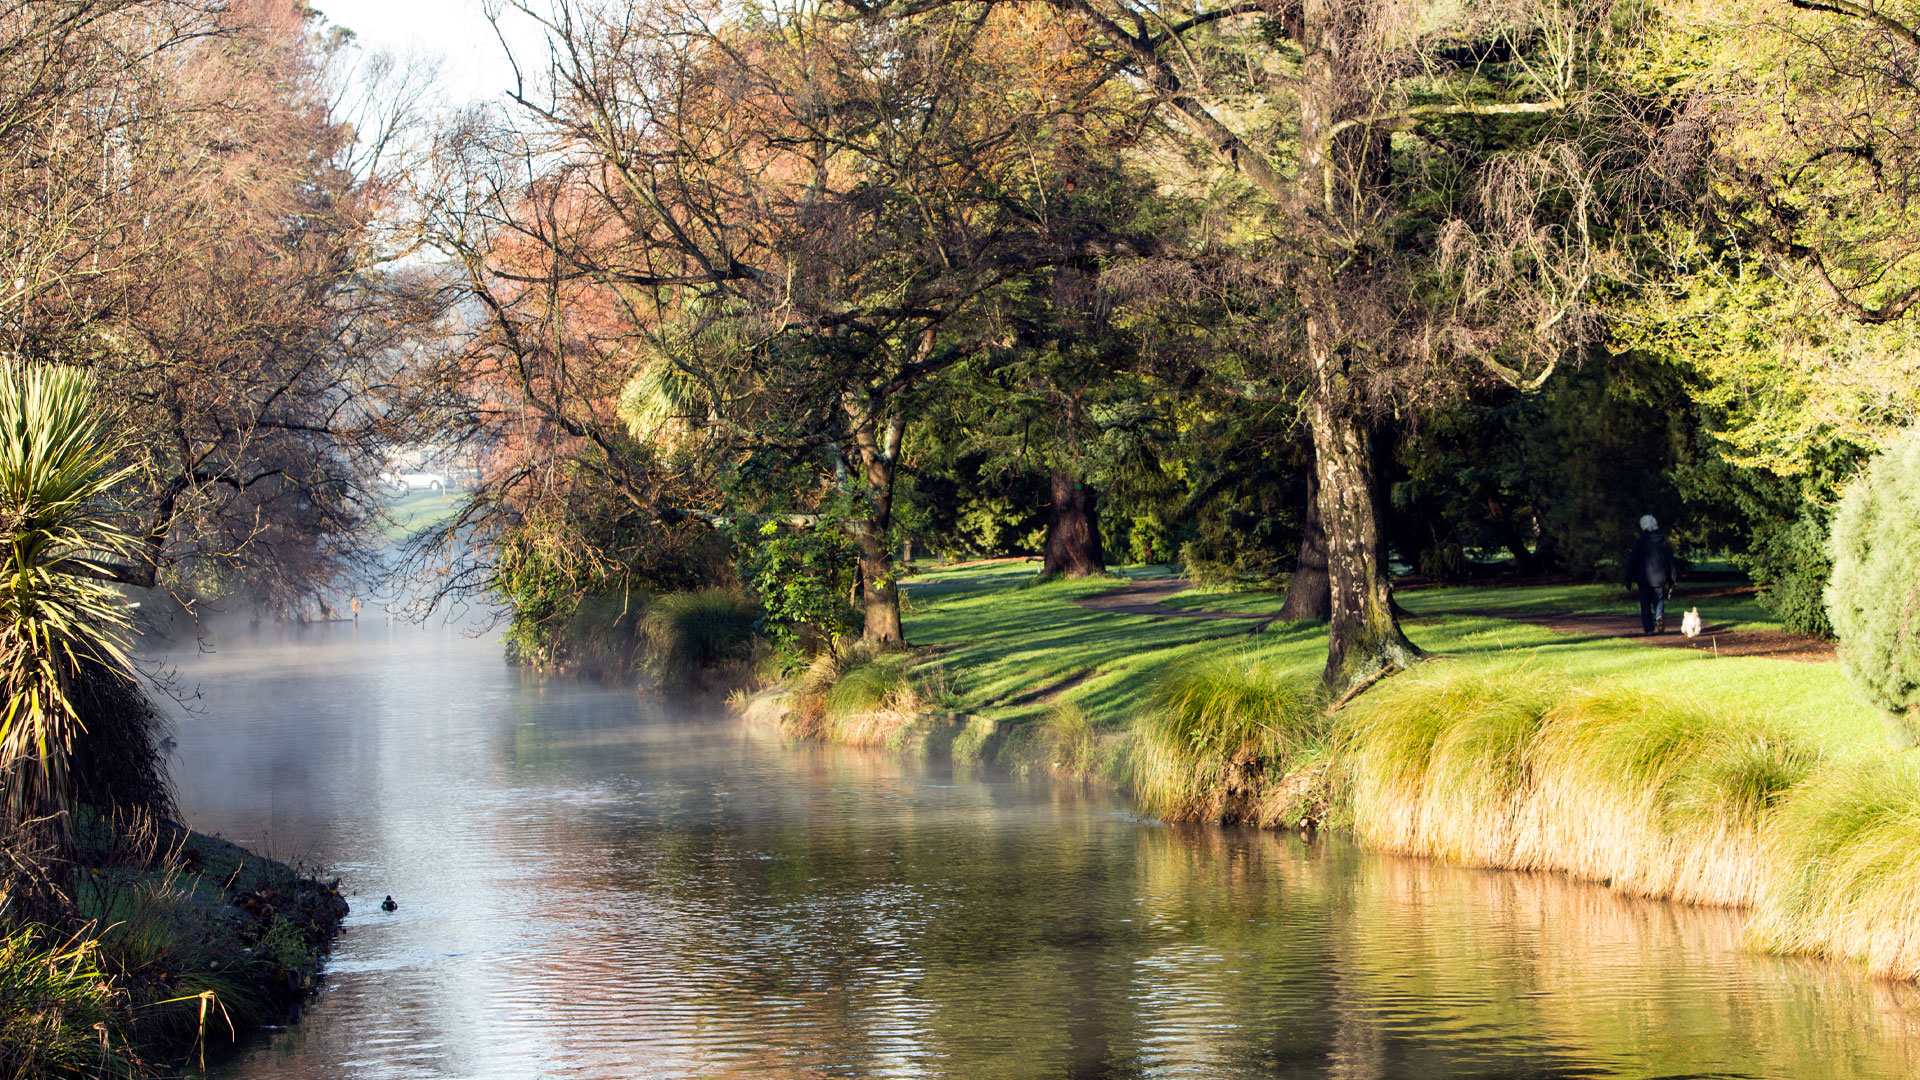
(185, 216)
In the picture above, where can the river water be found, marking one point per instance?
(591, 885)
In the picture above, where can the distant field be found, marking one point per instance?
(417, 510)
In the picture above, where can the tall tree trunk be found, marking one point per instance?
(879, 592)
(1072, 546)
(1309, 594)
(1363, 634)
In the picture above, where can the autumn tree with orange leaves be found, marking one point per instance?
(766, 235)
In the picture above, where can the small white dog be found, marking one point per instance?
(1690, 623)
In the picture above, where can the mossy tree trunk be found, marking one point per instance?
(1364, 633)
(879, 452)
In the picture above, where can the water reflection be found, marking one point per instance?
(591, 887)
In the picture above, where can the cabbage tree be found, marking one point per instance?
(60, 619)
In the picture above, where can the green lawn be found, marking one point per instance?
(1004, 641)
(417, 510)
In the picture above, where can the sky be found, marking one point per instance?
(455, 32)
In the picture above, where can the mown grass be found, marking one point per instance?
(1663, 772)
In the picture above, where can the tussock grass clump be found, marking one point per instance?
(1844, 849)
(1217, 734)
(1438, 759)
(1654, 794)
(690, 631)
(1661, 795)
(60, 1015)
(1068, 735)
(862, 697)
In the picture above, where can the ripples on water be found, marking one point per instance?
(593, 887)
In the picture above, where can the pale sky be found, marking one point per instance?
(455, 32)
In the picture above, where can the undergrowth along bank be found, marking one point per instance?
(1660, 772)
(181, 944)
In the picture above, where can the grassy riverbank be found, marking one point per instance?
(1665, 772)
(184, 942)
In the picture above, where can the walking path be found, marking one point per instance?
(1714, 637)
(1144, 598)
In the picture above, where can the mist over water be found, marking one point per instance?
(592, 885)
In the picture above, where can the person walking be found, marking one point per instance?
(1650, 565)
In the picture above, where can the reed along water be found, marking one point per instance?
(594, 885)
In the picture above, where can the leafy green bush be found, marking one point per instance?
(1874, 598)
(1791, 563)
(804, 580)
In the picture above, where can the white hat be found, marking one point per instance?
(1648, 523)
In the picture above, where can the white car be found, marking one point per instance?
(412, 481)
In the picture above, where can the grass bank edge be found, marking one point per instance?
(1748, 782)
(183, 950)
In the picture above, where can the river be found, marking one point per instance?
(593, 885)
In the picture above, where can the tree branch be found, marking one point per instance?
(1401, 119)
(1860, 11)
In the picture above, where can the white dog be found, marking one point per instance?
(1690, 623)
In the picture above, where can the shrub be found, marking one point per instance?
(1792, 564)
(803, 580)
(1874, 598)
(688, 631)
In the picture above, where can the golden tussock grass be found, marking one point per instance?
(859, 697)
(1845, 851)
(1504, 767)
(1218, 736)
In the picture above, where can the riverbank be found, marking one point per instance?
(1674, 773)
(185, 943)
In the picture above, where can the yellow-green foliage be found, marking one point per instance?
(1215, 732)
(1846, 856)
(1874, 597)
(60, 1016)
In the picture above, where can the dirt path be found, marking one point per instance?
(1714, 638)
(1143, 598)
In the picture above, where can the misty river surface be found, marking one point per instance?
(593, 885)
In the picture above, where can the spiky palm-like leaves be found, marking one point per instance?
(58, 616)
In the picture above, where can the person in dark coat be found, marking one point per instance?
(1650, 565)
